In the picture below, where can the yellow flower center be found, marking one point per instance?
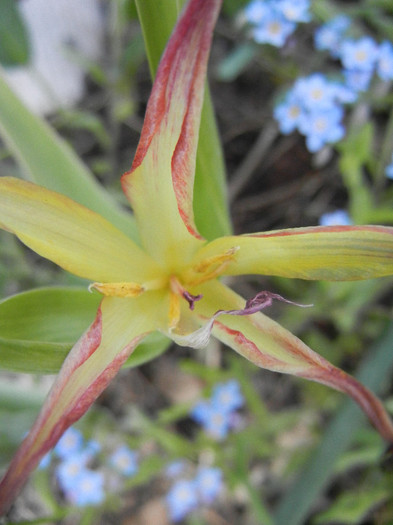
(178, 285)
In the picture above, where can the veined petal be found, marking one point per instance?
(160, 183)
(74, 237)
(92, 363)
(268, 345)
(334, 253)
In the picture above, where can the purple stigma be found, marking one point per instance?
(191, 299)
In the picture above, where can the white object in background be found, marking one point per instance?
(59, 31)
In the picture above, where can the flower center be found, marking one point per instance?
(294, 111)
(178, 292)
(274, 28)
(178, 285)
(361, 55)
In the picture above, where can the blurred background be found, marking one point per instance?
(203, 437)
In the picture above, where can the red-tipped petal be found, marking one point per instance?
(268, 345)
(160, 183)
(92, 363)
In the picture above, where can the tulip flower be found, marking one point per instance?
(171, 282)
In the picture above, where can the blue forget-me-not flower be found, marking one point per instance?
(124, 460)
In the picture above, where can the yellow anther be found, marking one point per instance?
(210, 268)
(118, 289)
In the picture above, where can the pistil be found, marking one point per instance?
(178, 291)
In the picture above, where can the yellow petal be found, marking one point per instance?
(160, 183)
(74, 237)
(336, 253)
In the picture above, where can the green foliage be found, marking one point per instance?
(48, 160)
(39, 327)
(352, 508)
(14, 42)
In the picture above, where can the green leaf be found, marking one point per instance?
(157, 18)
(47, 160)
(39, 327)
(236, 61)
(352, 507)
(356, 152)
(14, 42)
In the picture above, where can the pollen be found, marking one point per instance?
(210, 268)
(118, 289)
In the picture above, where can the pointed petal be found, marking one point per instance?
(160, 183)
(334, 253)
(74, 237)
(268, 345)
(92, 363)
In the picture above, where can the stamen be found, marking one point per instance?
(118, 289)
(211, 267)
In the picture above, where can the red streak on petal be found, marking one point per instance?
(314, 367)
(323, 229)
(49, 426)
(369, 403)
(182, 67)
(250, 351)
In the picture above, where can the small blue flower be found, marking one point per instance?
(385, 61)
(255, 12)
(389, 170)
(295, 10)
(91, 448)
(213, 419)
(124, 460)
(274, 29)
(227, 396)
(328, 37)
(70, 443)
(208, 484)
(174, 469)
(356, 80)
(288, 113)
(69, 470)
(344, 94)
(321, 127)
(316, 92)
(359, 55)
(88, 489)
(335, 218)
(182, 499)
